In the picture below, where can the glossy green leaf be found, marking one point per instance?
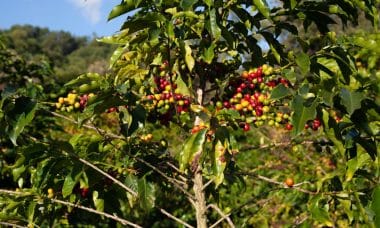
(219, 161)
(146, 194)
(192, 148)
(17, 172)
(182, 87)
(186, 52)
(70, 181)
(302, 113)
(263, 8)
(23, 112)
(303, 62)
(375, 206)
(208, 54)
(279, 92)
(83, 79)
(351, 100)
(125, 7)
(170, 31)
(31, 212)
(116, 55)
(275, 53)
(214, 28)
(356, 163)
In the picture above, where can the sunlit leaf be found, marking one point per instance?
(23, 112)
(186, 51)
(70, 181)
(302, 113)
(146, 194)
(219, 161)
(351, 100)
(303, 62)
(279, 92)
(193, 147)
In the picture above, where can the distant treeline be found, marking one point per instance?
(67, 54)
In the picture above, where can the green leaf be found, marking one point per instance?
(318, 212)
(30, 212)
(83, 79)
(279, 92)
(170, 31)
(71, 180)
(375, 206)
(23, 113)
(146, 194)
(99, 203)
(351, 100)
(208, 54)
(131, 121)
(116, 55)
(214, 28)
(16, 172)
(263, 8)
(275, 53)
(186, 51)
(182, 87)
(219, 161)
(187, 4)
(192, 148)
(302, 113)
(303, 61)
(125, 7)
(209, 3)
(356, 163)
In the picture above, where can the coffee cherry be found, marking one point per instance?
(84, 192)
(50, 192)
(289, 126)
(289, 182)
(246, 127)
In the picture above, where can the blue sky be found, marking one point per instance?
(79, 17)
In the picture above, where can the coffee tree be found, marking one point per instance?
(193, 86)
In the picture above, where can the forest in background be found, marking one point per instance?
(68, 55)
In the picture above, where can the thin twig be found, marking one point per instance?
(171, 180)
(12, 225)
(122, 221)
(224, 216)
(217, 222)
(208, 183)
(91, 210)
(271, 145)
(108, 176)
(101, 131)
(179, 171)
(282, 184)
(175, 218)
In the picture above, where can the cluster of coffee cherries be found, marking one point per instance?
(73, 102)
(167, 99)
(250, 96)
(313, 124)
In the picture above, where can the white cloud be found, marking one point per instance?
(90, 9)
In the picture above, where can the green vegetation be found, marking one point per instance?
(68, 55)
(195, 124)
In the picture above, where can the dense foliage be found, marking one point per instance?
(206, 118)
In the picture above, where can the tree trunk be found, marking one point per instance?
(200, 201)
